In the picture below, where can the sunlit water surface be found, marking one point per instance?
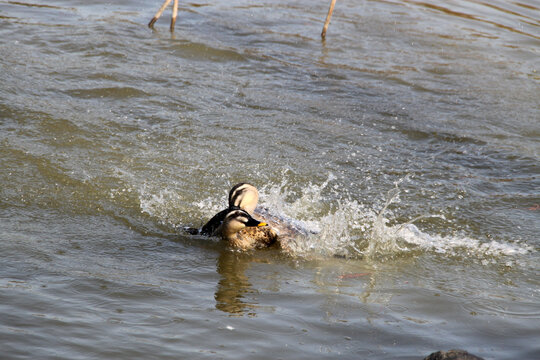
(409, 140)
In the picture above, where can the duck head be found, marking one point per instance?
(244, 196)
(236, 220)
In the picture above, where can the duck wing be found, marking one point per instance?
(211, 226)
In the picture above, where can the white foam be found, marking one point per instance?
(349, 228)
(456, 245)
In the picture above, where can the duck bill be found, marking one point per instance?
(255, 223)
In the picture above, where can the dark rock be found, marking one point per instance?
(452, 355)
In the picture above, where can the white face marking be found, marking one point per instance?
(238, 194)
(240, 189)
(238, 216)
(242, 219)
(234, 222)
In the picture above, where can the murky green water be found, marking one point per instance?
(409, 140)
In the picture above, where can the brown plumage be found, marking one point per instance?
(254, 238)
(242, 231)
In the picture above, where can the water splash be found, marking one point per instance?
(331, 223)
(346, 227)
(407, 238)
(163, 204)
(458, 245)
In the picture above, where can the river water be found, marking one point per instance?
(408, 140)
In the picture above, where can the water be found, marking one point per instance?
(409, 140)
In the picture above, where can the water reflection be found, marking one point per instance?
(234, 286)
(238, 290)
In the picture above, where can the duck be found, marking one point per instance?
(243, 232)
(237, 225)
(243, 196)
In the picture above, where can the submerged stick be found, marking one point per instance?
(158, 14)
(174, 13)
(328, 17)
